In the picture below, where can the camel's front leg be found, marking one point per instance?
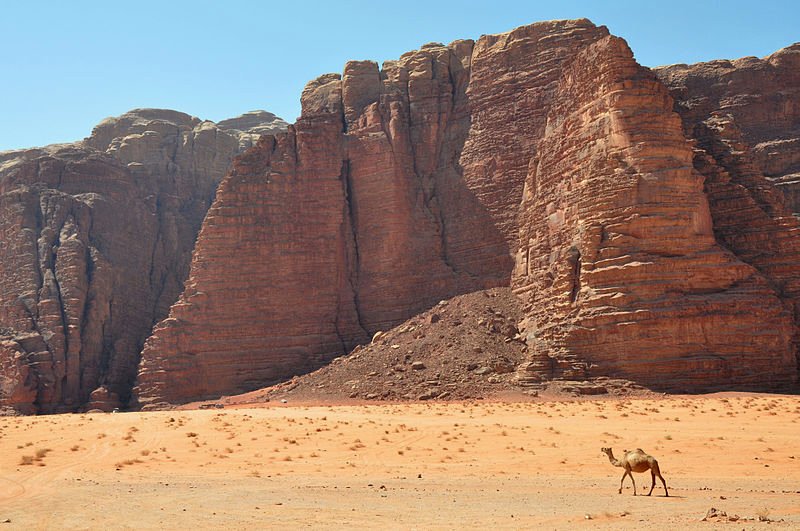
(653, 475)
(622, 481)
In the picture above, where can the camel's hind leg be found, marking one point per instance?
(654, 471)
(666, 492)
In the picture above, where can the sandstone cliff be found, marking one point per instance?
(396, 188)
(545, 158)
(760, 96)
(744, 116)
(619, 264)
(96, 242)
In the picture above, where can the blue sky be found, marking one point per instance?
(66, 65)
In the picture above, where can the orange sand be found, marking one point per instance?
(403, 466)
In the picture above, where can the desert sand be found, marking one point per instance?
(476, 465)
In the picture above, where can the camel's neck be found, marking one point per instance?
(614, 462)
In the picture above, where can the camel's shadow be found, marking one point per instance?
(671, 496)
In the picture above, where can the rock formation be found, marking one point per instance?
(547, 147)
(760, 96)
(396, 188)
(402, 186)
(744, 117)
(251, 125)
(96, 242)
(635, 215)
(618, 262)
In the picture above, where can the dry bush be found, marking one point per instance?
(41, 453)
(128, 462)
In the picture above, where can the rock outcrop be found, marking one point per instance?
(545, 158)
(760, 96)
(96, 243)
(396, 188)
(618, 266)
(744, 117)
(251, 125)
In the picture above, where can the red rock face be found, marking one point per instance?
(745, 118)
(18, 382)
(618, 261)
(246, 267)
(396, 188)
(548, 147)
(79, 240)
(96, 243)
(512, 84)
(760, 96)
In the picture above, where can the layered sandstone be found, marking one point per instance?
(744, 116)
(760, 96)
(96, 242)
(251, 125)
(396, 188)
(618, 261)
(545, 158)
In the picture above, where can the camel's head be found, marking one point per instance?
(606, 451)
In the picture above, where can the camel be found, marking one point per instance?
(636, 461)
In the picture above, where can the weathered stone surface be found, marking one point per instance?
(96, 243)
(251, 125)
(546, 158)
(18, 382)
(396, 188)
(762, 98)
(512, 83)
(745, 118)
(618, 261)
